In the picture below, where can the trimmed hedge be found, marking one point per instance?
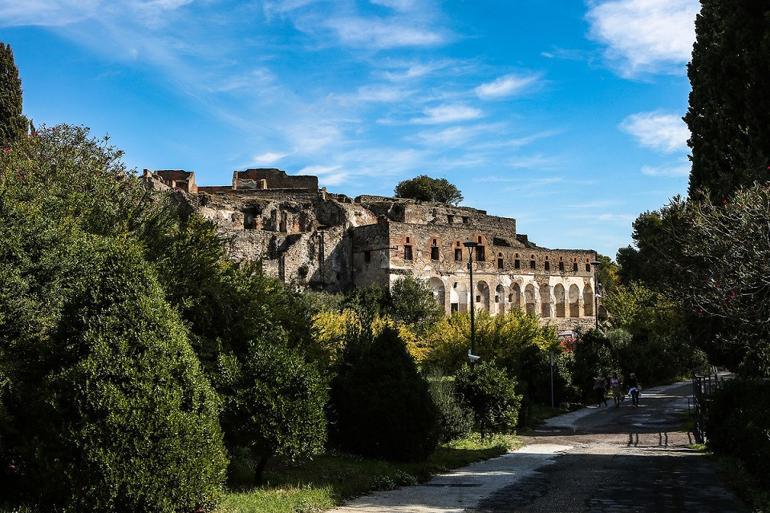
(491, 394)
(738, 424)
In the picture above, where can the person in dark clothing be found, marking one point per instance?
(600, 385)
(633, 389)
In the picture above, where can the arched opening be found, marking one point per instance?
(560, 298)
(529, 299)
(574, 301)
(588, 301)
(439, 293)
(500, 298)
(515, 296)
(482, 295)
(545, 300)
(459, 297)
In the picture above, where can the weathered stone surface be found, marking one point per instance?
(313, 238)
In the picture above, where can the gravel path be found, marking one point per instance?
(595, 460)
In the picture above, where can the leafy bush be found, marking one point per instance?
(274, 403)
(107, 408)
(454, 420)
(487, 390)
(381, 406)
(738, 424)
(595, 356)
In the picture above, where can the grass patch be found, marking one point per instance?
(333, 478)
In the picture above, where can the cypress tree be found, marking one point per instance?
(13, 124)
(729, 114)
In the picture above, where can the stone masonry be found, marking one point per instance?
(315, 239)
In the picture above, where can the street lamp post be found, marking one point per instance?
(471, 246)
(595, 264)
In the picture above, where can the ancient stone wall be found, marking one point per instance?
(271, 178)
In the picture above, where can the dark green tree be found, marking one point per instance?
(491, 394)
(729, 114)
(425, 188)
(13, 124)
(381, 405)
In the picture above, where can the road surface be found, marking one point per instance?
(629, 460)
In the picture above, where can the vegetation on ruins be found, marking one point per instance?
(380, 405)
(455, 420)
(425, 188)
(729, 114)
(13, 124)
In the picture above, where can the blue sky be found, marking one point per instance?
(565, 115)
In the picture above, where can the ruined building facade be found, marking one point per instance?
(312, 238)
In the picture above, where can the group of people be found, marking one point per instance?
(618, 388)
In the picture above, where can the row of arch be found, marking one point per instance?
(542, 299)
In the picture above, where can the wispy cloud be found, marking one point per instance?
(506, 86)
(660, 131)
(644, 36)
(267, 158)
(537, 161)
(449, 113)
(670, 171)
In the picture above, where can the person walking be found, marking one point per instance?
(633, 389)
(600, 390)
(615, 388)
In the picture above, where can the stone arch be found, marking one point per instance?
(439, 292)
(560, 298)
(482, 295)
(500, 298)
(459, 297)
(588, 301)
(514, 298)
(545, 300)
(574, 301)
(530, 299)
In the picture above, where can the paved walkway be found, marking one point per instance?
(593, 460)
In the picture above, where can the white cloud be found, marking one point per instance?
(382, 33)
(645, 35)
(457, 135)
(657, 130)
(46, 12)
(505, 86)
(535, 162)
(449, 113)
(269, 157)
(669, 171)
(396, 5)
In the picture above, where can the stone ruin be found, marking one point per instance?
(315, 239)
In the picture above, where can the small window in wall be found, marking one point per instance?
(407, 252)
(497, 299)
(480, 254)
(532, 264)
(588, 268)
(574, 267)
(510, 298)
(561, 266)
(407, 240)
(478, 298)
(517, 264)
(455, 308)
(465, 220)
(547, 265)
(434, 252)
(367, 256)
(500, 263)
(458, 255)
(479, 239)
(450, 219)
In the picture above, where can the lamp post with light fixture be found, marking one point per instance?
(472, 352)
(595, 264)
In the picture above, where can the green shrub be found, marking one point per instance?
(273, 403)
(738, 424)
(381, 406)
(454, 420)
(108, 409)
(488, 390)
